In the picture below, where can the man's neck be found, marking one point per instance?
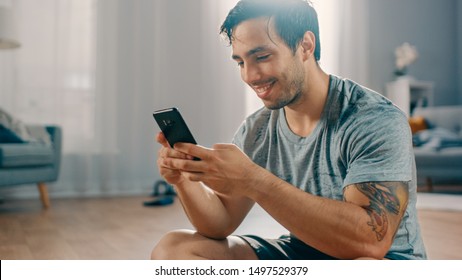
(303, 116)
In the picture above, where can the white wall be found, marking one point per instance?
(429, 25)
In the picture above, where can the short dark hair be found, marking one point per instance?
(292, 19)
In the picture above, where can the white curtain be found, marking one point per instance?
(99, 69)
(354, 40)
(344, 38)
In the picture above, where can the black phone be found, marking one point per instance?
(173, 126)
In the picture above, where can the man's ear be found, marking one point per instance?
(307, 45)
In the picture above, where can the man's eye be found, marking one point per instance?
(240, 63)
(263, 57)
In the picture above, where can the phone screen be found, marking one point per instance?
(173, 126)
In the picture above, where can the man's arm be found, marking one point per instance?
(363, 225)
(346, 229)
(384, 203)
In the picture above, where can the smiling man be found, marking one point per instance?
(328, 159)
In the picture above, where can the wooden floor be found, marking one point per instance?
(122, 228)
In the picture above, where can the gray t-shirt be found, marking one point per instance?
(361, 137)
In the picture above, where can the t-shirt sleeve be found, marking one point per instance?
(238, 137)
(379, 149)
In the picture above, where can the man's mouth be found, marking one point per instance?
(264, 90)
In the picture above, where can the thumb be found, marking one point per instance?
(162, 140)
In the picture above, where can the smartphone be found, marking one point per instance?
(173, 126)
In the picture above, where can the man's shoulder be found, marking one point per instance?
(362, 106)
(362, 97)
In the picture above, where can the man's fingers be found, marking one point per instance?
(167, 151)
(192, 176)
(183, 164)
(171, 153)
(193, 150)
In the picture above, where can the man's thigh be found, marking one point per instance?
(187, 244)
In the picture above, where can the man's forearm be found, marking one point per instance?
(204, 209)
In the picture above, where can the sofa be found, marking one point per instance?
(438, 147)
(32, 162)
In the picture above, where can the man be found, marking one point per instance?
(330, 160)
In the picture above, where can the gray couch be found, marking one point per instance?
(32, 163)
(440, 158)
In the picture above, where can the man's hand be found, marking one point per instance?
(210, 189)
(172, 176)
(224, 168)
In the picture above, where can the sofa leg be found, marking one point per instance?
(429, 184)
(42, 187)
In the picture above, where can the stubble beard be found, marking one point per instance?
(288, 99)
(289, 96)
(293, 93)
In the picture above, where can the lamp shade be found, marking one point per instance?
(7, 29)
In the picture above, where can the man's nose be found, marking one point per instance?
(250, 74)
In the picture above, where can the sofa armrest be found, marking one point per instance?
(56, 139)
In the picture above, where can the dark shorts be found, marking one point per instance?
(284, 248)
(290, 248)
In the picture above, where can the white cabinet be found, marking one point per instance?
(408, 94)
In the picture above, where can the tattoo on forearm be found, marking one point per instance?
(383, 201)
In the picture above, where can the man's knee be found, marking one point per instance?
(172, 245)
(187, 245)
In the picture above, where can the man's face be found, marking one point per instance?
(267, 64)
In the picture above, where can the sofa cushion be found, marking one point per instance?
(437, 139)
(417, 124)
(8, 136)
(39, 134)
(14, 125)
(25, 154)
